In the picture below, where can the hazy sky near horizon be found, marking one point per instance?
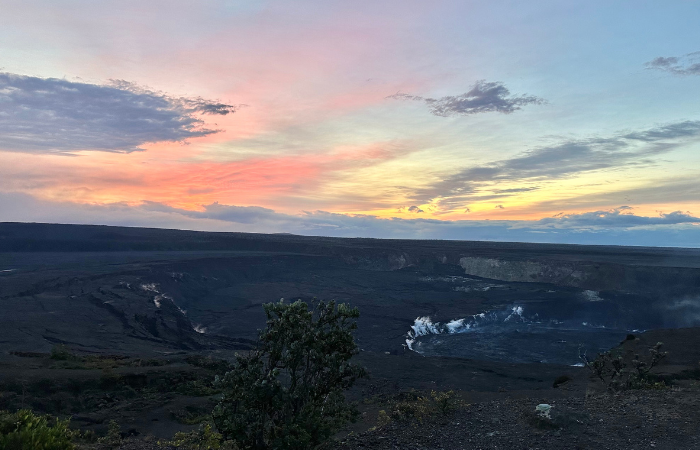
(506, 120)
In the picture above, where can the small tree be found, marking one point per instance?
(288, 392)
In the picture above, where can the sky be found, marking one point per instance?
(539, 121)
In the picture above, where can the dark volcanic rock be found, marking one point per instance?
(635, 420)
(149, 293)
(105, 288)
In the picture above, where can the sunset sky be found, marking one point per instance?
(541, 121)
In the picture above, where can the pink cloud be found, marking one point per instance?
(153, 176)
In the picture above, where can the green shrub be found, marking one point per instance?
(197, 388)
(416, 409)
(446, 402)
(60, 353)
(620, 374)
(209, 363)
(383, 418)
(191, 415)
(113, 436)
(205, 438)
(413, 405)
(24, 430)
(288, 392)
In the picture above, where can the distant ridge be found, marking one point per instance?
(47, 237)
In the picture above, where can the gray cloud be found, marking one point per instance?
(483, 97)
(208, 107)
(216, 211)
(43, 115)
(618, 217)
(410, 209)
(514, 190)
(616, 227)
(190, 104)
(685, 65)
(564, 159)
(688, 128)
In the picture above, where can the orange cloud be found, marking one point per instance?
(165, 174)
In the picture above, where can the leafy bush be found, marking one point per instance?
(205, 438)
(619, 374)
(114, 435)
(198, 388)
(191, 414)
(383, 418)
(446, 402)
(288, 392)
(416, 406)
(207, 362)
(24, 430)
(61, 353)
(408, 410)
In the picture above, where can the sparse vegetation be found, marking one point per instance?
(383, 418)
(207, 362)
(25, 430)
(102, 387)
(113, 437)
(204, 438)
(60, 353)
(192, 415)
(288, 392)
(445, 401)
(417, 406)
(619, 373)
(65, 359)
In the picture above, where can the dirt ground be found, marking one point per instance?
(667, 419)
(153, 399)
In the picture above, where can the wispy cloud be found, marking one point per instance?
(189, 104)
(618, 217)
(483, 97)
(564, 159)
(515, 190)
(688, 64)
(225, 213)
(298, 181)
(49, 115)
(413, 209)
